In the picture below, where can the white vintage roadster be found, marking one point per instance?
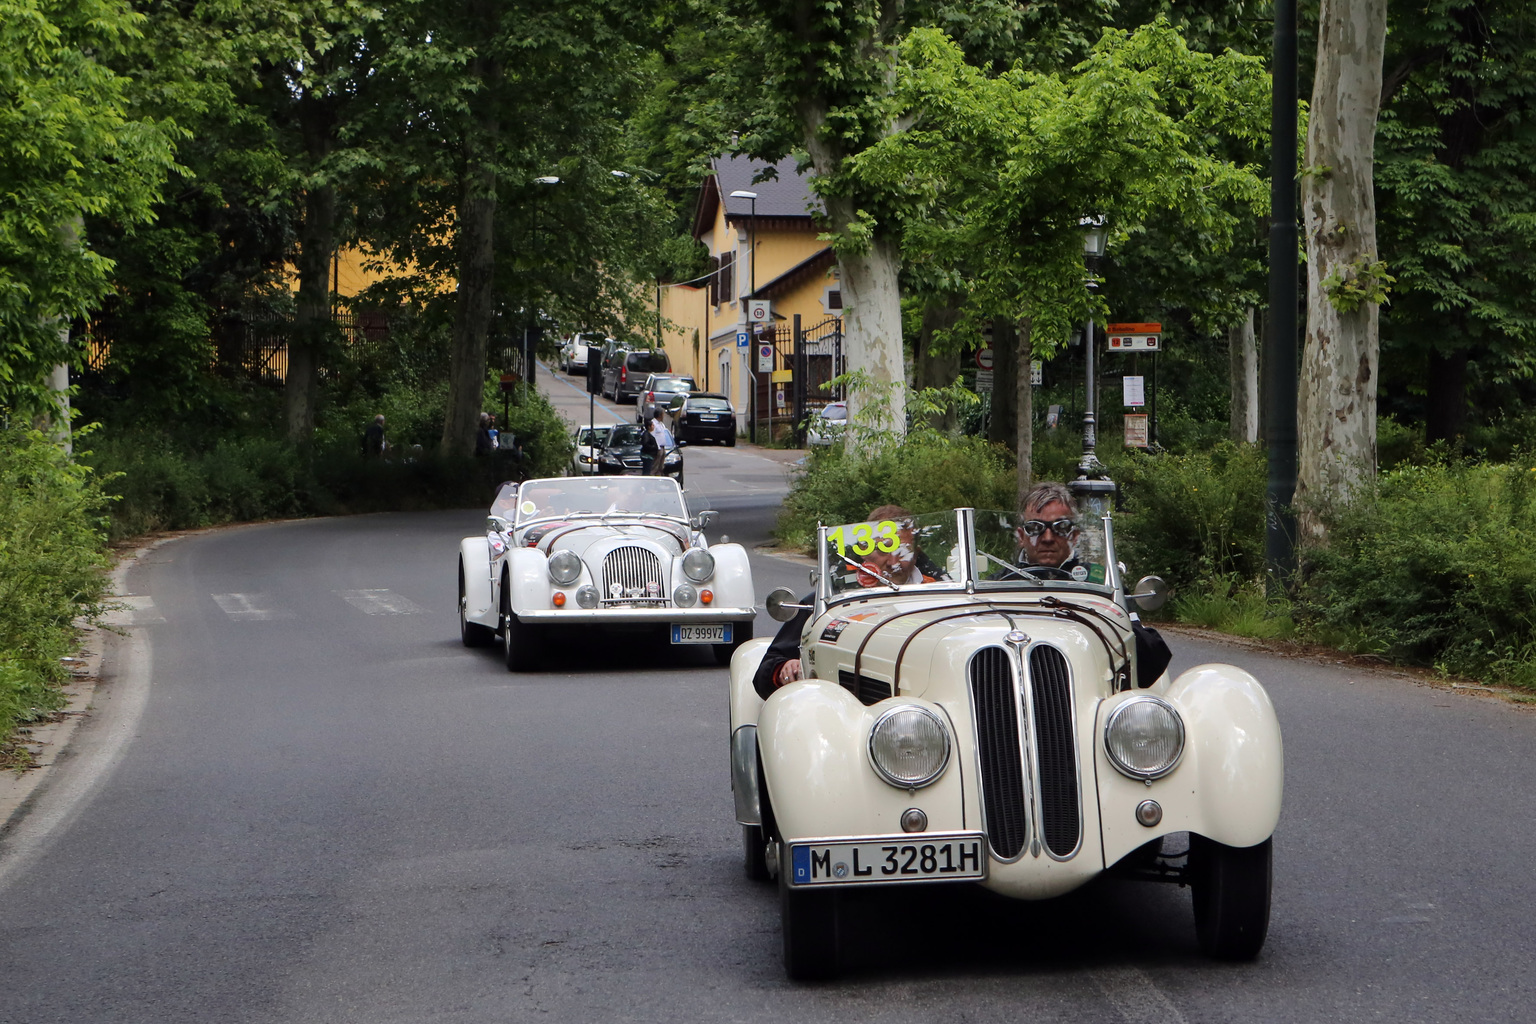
(612, 552)
(982, 721)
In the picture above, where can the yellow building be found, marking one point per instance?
(760, 248)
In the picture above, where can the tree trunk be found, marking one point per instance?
(1003, 426)
(1024, 401)
(937, 371)
(1445, 404)
(312, 312)
(1243, 360)
(472, 317)
(1337, 407)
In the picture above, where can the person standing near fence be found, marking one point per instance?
(374, 444)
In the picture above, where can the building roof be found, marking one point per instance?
(815, 265)
(786, 194)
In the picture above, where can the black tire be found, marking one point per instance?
(471, 633)
(730, 442)
(810, 918)
(754, 851)
(741, 632)
(1231, 887)
(520, 641)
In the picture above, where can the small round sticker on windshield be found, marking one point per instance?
(1080, 573)
(527, 508)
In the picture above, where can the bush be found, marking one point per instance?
(1434, 565)
(52, 571)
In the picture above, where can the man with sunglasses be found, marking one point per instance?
(1048, 537)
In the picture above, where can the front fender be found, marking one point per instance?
(745, 705)
(732, 581)
(527, 575)
(814, 739)
(1228, 784)
(475, 563)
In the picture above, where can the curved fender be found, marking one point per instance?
(528, 572)
(475, 557)
(1235, 736)
(732, 581)
(814, 739)
(745, 705)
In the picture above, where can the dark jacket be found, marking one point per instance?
(785, 647)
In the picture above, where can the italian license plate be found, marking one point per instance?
(713, 633)
(910, 858)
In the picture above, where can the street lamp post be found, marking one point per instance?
(1091, 483)
(742, 193)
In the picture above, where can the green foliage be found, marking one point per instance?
(1435, 565)
(1237, 607)
(52, 571)
(1353, 285)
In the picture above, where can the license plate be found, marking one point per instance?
(910, 858)
(710, 419)
(715, 633)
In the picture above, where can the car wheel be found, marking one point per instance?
(1231, 888)
(810, 920)
(730, 442)
(754, 849)
(741, 632)
(520, 641)
(472, 633)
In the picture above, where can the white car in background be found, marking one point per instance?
(616, 553)
(573, 354)
(589, 442)
(827, 424)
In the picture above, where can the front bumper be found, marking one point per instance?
(571, 616)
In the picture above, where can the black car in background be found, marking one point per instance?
(706, 417)
(622, 454)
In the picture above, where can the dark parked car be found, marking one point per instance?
(624, 372)
(622, 454)
(706, 417)
(664, 391)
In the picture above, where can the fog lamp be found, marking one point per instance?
(914, 820)
(587, 597)
(1149, 812)
(684, 596)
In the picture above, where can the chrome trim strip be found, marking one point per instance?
(1077, 756)
(1023, 700)
(638, 615)
(749, 808)
(981, 778)
(965, 528)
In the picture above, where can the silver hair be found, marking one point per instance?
(1044, 493)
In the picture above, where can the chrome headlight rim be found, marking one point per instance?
(894, 780)
(564, 567)
(692, 558)
(1142, 774)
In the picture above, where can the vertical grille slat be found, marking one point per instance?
(1056, 751)
(997, 737)
(632, 568)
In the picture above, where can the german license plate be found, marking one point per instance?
(714, 633)
(710, 419)
(910, 858)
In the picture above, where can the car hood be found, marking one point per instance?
(593, 542)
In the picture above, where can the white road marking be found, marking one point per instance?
(250, 607)
(380, 602)
(1134, 995)
(133, 610)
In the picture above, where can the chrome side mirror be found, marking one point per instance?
(497, 523)
(703, 519)
(781, 604)
(1151, 593)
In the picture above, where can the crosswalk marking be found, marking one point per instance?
(250, 607)
(380, 602)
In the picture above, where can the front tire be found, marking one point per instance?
(754, 848)
(730, 442)
(1231, 887)
(471, 633)
(810, 919)
(520, 641)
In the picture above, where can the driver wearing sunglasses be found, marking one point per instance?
(1049, 534)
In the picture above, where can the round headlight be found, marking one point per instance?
(1144, 737)
(684, 596)
(909, 746)
(698, 565)
(564, 567)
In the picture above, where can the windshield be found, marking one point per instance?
(708, 405)
(674, 384)
(835, 412)
(595, 436)
(1012, 551)
(543, 499)
(628, 433)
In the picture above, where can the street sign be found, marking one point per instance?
(778, 397)
(1036, 372)
(1133, 391)
(984, 358)
(1136, 430)
(759, 311)
(782, 376)
(983, 381)
(741, 339)
(1134, 337)
(1134, 328)
(764, 358)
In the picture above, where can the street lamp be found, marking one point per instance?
(742, 193)
(1091, 483)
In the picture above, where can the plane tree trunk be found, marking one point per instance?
(1243, 360)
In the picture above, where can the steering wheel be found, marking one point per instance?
(1042, 572)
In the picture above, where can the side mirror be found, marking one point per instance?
(497, 523)
(682, 444)
(1151, 593)
(703, 519)
(781, 604)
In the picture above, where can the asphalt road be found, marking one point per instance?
(329, 810)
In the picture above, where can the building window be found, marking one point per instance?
(832, 300)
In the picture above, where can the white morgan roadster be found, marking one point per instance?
(619, 552)
(983, 721)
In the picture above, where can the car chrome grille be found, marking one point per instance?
(632, 576)
(869, 691)
(1056, 752)
(1002, 761)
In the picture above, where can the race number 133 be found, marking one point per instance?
(865, 538)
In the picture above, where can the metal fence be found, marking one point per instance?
(805, 361)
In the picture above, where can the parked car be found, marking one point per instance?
(624, 454)
(625, 371)
(589, 442)
(573, 354)
(827, 424)
(662, 390)
(706, 417)
(569, 555)
(989, 724)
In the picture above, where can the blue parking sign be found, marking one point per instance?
(741, 339)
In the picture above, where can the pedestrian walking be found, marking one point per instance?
(664, 444)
